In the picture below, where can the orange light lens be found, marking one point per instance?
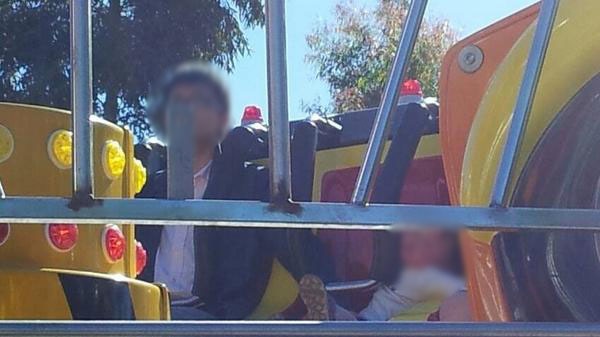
(114, 243)
(62, 237)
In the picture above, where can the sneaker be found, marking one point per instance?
(314, 296)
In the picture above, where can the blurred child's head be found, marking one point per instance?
(430, 248)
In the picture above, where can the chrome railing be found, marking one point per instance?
(297, 329)
(81, 98)
(389, 103)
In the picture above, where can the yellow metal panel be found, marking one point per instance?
(31, 172)
(148, 302)
(281, 292)
(572, 60)
(32, 294)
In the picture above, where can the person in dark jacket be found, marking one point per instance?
(213, 272)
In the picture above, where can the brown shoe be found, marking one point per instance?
(314, 296)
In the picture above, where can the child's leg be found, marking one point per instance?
(456, 308)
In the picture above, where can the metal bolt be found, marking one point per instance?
(470, 59)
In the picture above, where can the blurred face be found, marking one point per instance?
(427, 248)
(211, 119)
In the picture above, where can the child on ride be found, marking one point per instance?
(431, 269)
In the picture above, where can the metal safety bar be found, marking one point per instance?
(81, 97)
(279, 130)
(297, 329)
(389, 102)
(531, 77)
(310, 215)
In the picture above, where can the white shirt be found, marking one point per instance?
(175, 258)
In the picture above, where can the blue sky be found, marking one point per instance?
(248, 81)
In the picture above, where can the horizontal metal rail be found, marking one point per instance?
(309, 215)
(296, 329)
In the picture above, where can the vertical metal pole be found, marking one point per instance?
(389, 102)
(531, 76)
(279, 129)
(81, 96)
(180, 153)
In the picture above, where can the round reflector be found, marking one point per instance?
(141, 257)
(4, 233)
(113, 159)
(113, 242)
(60, 148)
(62, 237)
(7, 143)
(139, 175)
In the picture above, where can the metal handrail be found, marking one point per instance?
(310, 215)
(81, 97)
(389, 102)
(279, 131)
(527, 92)
(297, 329)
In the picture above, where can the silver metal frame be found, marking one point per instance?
(81, 97)
(314, 215)
(389, 103)
(309, 215)
(279, 135)
(297, 329)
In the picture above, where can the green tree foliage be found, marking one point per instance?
(354, 53)
(134, 42)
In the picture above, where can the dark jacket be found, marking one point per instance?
(233, 265)
(232, 269)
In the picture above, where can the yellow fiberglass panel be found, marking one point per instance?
(571, 61)
(148, 302)
(39, 133)
(23, 297)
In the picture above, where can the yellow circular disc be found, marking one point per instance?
(139, 175)
(60, 148)
(7, 143)
(113, 159)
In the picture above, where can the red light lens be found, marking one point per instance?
(410, 88)
(114, 243)
(4, 232)
(141, 257)
(252, 114)
(62, 237)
